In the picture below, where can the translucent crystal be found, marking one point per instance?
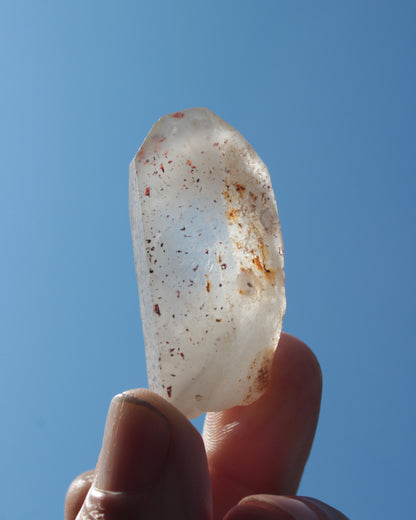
(209, 262)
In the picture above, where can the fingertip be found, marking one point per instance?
(318, 505)
(274, 507)
(152, 462)
(182, 429)
(77, 492)
(135, 446)
(187, 466)
(160, 403)
(296, 377)
(254, 512)
(292, 352)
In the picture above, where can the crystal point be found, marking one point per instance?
(209, 262)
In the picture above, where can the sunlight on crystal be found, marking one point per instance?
(209, 262)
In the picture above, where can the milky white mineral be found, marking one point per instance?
(209, 262)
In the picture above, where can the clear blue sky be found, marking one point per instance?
(325, 92)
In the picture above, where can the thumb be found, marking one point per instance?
(152, 464)
(278, 507)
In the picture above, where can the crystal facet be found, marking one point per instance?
(209, 262)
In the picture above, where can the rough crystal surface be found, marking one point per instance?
(209, 262)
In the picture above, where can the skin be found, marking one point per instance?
(154, 464)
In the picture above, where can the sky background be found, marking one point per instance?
(325, 93)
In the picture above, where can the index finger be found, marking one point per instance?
(263, 447)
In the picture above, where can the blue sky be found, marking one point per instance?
(325, 92)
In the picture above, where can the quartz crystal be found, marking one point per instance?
(209, 262)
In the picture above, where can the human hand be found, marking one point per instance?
(155, 465)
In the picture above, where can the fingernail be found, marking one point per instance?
(319, 506)
(286, 508)
(255, 511)
(135, 445)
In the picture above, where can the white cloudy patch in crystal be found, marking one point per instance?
(209, 262)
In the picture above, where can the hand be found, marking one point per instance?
(155, 465)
